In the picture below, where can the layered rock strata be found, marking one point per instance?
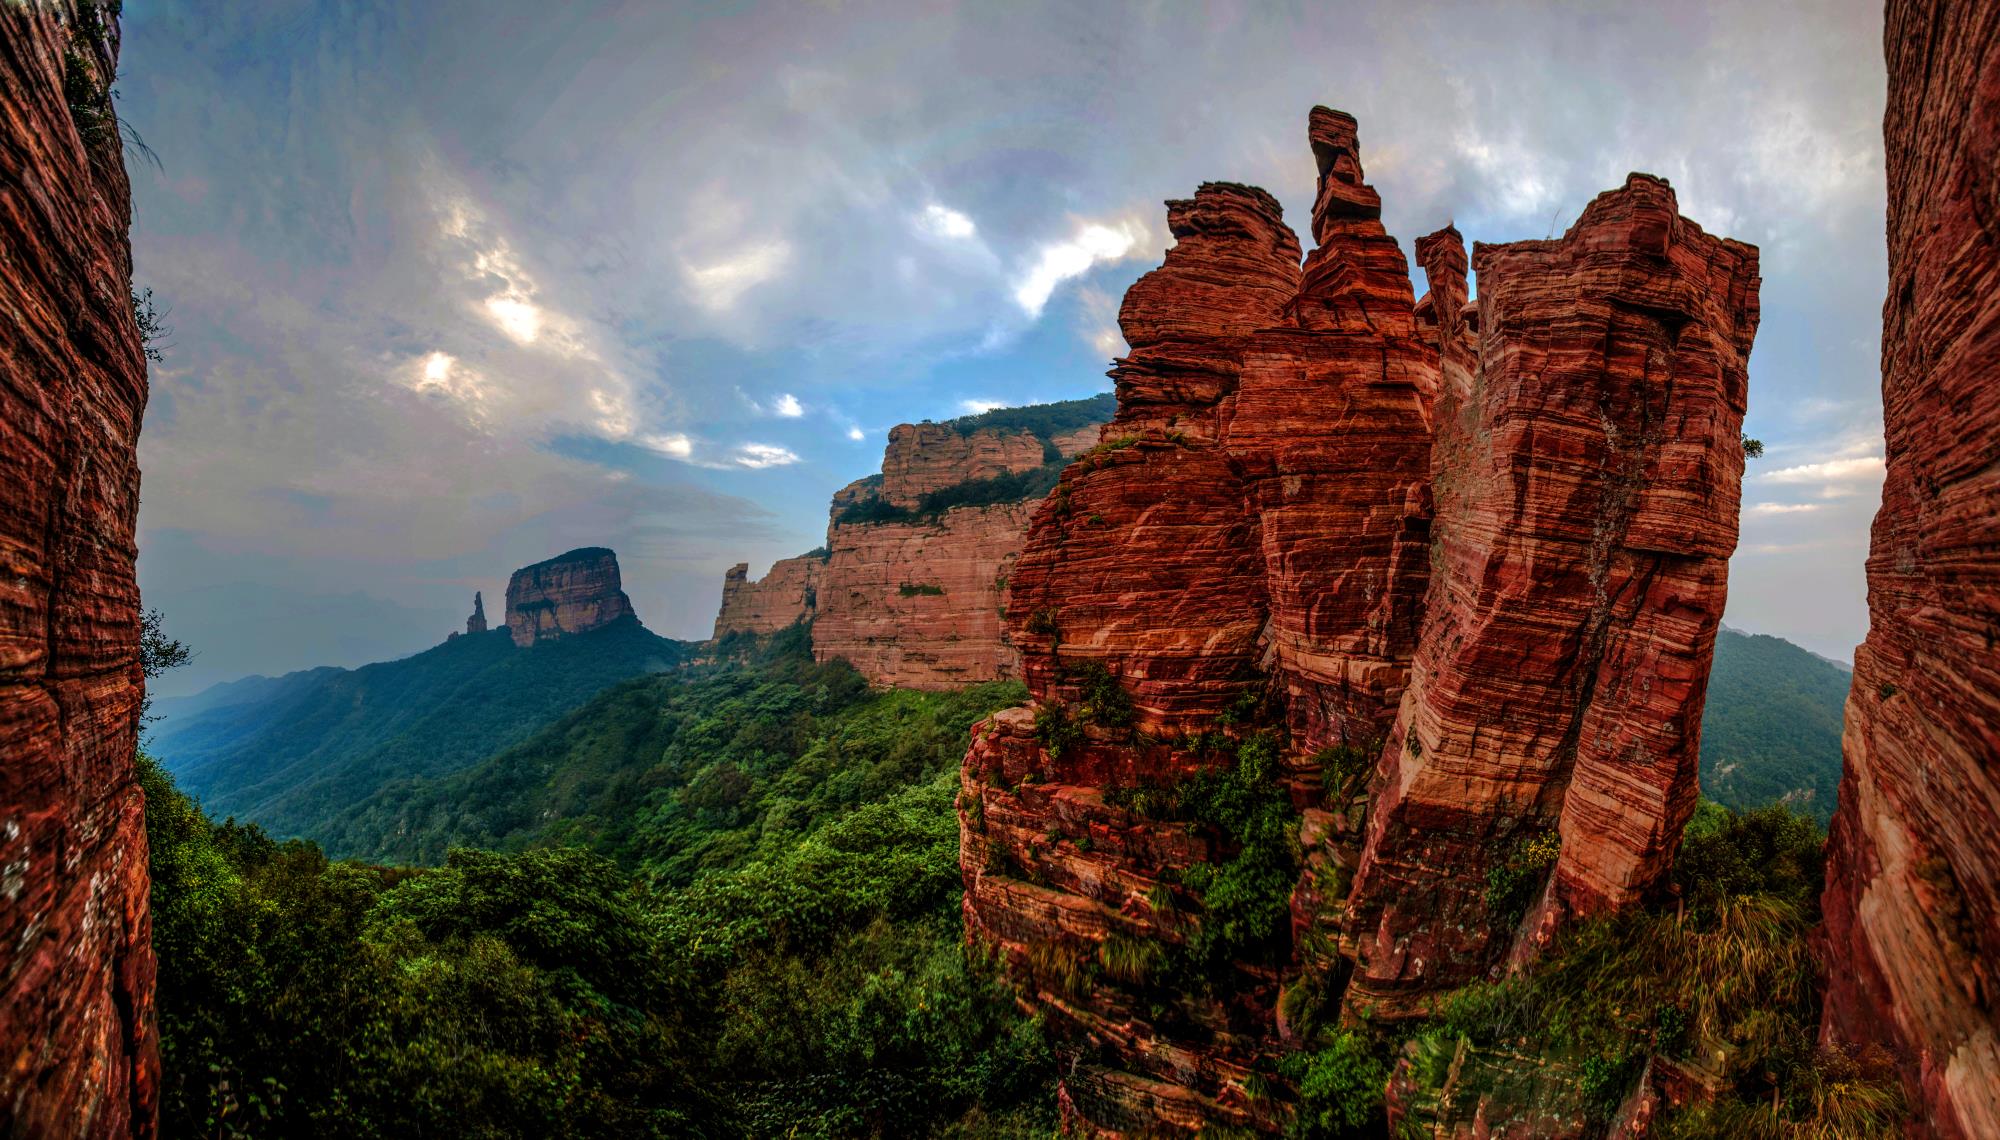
(78, 1045)
(1587, 487)
(569, 594)
(1245, 551)
(911, 596)
(787, 595)
(1303, 459)
(1912, 900)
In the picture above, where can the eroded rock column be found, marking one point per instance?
(1586, 492)
(1913, 860)
(78, 1044)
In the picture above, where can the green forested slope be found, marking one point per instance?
(679, 773)
(312, 744)
(1771, 730)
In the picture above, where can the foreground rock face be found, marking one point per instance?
(910, 596)
(1312, 484)
(568, 594)
(1913, 871)
(78, 1046)
(1587, 488)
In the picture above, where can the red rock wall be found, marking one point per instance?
(78, 1045)
(781, 598)
(1587, 493)
(568, 594)
(912, 604)
(877, 610)
(1913, 873)
(1254, 524)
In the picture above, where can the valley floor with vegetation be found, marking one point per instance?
(725, 902)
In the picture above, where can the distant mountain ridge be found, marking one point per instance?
(290, 752)
(1771, 730)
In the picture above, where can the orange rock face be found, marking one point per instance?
(78, 1044)
(1913, 870)
(1328, 521)
(919, 605)
(1252, 530)
(781, 598)
(1587, 488)
(913, 598)
(570, 593)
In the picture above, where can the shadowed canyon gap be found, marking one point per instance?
(1913, 860)
(78, 1052)
(1313, 484)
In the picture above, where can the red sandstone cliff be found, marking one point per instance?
(568, 594)
(1913, 870)
(911, 596)
(1245, 562)
(78, 1046)
(1587, 488)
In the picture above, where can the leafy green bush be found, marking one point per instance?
(1340, 1089)
(920, 589)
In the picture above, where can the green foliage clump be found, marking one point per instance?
(923, 589)
(1055, 728)
(1045, 421)
(1344, 770)
(1340, 1088)
(1245, 894)
(1512, 882)
(1726, 970)
(1100, 698)
(1009, 487)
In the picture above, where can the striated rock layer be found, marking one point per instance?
(1913, 870)
(1251, 534)
(1252, 563)
(568, 594)
(910, 594)
(1587, 486)
(78, 1044)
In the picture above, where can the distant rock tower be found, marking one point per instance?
(477, 622)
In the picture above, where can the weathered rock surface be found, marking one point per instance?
(1253, 528)
(477, 622)
(568, 594)
(788, 594)
(919, 605)
(1252, 550)
(1913, 872)
(78, 1044)
(1587, 492)
(910, 597)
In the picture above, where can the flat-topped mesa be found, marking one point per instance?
(1239, 561)
(569, 594)
(1912, 904)
(922, 458)
(1586, 507)
(79, 1053)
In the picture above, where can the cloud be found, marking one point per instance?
(1089, 244)
(1781, 508)
(761, 455)
(788, 406)
(1097, 322)
(675, 445)
(718, 285)
(975, 407)
(945, 222)
(856, 434)
(1830, 471)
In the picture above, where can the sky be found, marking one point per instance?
(454, 287)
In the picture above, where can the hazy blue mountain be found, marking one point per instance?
(1771, 731)
(291, 751)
